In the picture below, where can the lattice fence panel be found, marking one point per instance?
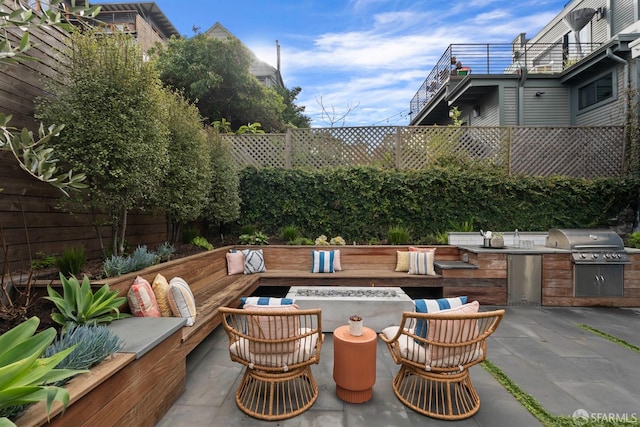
(577, 152)
(421, 146)
(571, 151)
(345, 146)
(259, 150)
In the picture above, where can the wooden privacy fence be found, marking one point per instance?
(583, 152)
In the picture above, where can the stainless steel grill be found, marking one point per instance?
(598, 260)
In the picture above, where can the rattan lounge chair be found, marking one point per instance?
(434, 370)
(277, 345)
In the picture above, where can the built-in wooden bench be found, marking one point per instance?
(212, 287)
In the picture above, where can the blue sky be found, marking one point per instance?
(370, 55)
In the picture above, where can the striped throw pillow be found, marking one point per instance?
(181, 300)
(323, 261)
(421, 263)
(142, 301)
(265, 301)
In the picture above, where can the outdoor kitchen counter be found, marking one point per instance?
(509, 250)
(557, 274)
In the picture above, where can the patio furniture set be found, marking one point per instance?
(213, 289)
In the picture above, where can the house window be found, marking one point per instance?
(596, 91)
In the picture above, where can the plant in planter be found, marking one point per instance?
(92, 344)
(355, 325)
(80, 305)
(497, 240)
(25, 376)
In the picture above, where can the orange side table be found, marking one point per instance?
(354, 364)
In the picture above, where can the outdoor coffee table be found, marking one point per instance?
(354, 364)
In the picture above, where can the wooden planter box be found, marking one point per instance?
(127, 389)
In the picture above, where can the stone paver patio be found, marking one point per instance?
(563, 366)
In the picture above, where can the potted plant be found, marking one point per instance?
(497, 240)
(355, 325)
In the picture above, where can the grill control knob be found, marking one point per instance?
(583, 256)
(606, 256)
(594, 256)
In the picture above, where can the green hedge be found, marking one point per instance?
(361, 203)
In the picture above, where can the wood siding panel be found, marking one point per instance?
(510, 107)
(550, 109)
(622, 14)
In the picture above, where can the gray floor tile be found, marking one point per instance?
(541, 349)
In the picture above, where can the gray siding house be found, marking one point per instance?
(579, 70)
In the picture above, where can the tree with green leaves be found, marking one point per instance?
(111, 100)
(215, 75)
(34, 154)
(293, 115)
(223, 202)
(187, 178)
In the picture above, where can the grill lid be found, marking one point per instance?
(579, 239)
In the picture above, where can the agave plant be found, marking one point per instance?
(80, 305)
(25, 376)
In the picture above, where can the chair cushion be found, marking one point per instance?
(432, 306)
(452, 331)
(408, 347)
(323, 261)
(421, 262)
(253, 261)
(235, 263)
(272, 328)
(181, 300)
(305, 349)
(142, 301)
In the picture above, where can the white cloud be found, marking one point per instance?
(380, 65)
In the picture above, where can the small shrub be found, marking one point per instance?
(142, 258)
(71, 261)
(301, 241)
(321, 240)
(633, 240)
(26, 376)
(257, 238)
(338, 240)
(117, 265)
(189, 234)
(398, 235)
(43, 261)
(164, 252)
(248, 229)
(92, 345)
(374, 241)
(201, 242)
(290, 233)
(78, 305)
